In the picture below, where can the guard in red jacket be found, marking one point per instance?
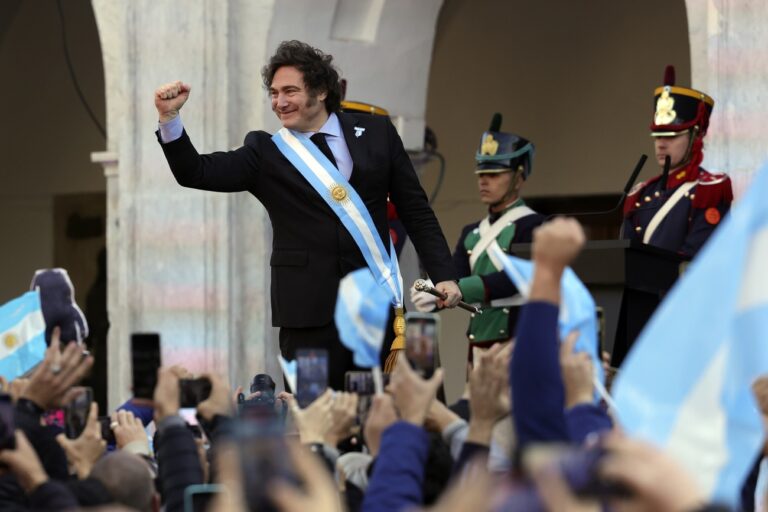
(679, 209)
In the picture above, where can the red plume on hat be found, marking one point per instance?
(669, 75)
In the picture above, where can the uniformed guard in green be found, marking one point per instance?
(504, 162)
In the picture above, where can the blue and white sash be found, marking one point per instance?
(346, 203)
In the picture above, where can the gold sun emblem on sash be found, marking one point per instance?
(665, 106)
(10, 340)
(338, 193)
(490, 146)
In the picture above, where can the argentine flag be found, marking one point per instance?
(22, 335)
(686, 382)
(362, 310)
(577, 307)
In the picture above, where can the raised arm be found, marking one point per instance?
(230, 171)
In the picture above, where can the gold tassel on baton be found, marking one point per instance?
(398, 344)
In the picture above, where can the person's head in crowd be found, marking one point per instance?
(503, 163)
(303, 85)
(127, 478)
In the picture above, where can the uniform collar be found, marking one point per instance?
(494, 216)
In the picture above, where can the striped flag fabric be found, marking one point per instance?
(686, 384)
(577, 307)
(362, 310)
(22, 335)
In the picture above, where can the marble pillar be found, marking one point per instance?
(729, 62)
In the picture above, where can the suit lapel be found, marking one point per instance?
(354, 145)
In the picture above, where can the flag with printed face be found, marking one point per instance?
(685, 384)
(577, 307)
(22, 335)
(362, 310)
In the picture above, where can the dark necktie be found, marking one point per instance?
(319, 140)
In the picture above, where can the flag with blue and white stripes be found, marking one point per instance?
(362, 310)
(577, 307)
(22, 335)
(686, 384)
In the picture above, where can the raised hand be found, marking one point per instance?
(577, 371)
(413, 395)
(84, 451)
(380, 417)
(557, 242)
(169, 98)
(488, 392)
(51, 384)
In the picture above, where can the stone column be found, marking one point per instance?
(190, 265)
(729, 62)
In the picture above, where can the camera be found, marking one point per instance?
(265, 386)
(264, 406)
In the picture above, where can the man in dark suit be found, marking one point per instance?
(311, 249)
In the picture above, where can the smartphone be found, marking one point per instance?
(193, 391)
(600, 317)
(359, 382)
(145, 361)
(311, 374)
(107, 433)
(198, 497)
(7, 424)
(76, 414)
(421, 342)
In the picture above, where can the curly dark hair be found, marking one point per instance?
(319, 74)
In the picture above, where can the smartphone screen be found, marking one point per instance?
(107, 433)
(7, 424)
(76, 414)
(197, 498)
(193, 391)
(145, 360)
(359, 382)
(311, 374)
(421, 332)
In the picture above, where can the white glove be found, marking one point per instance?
(423, 302)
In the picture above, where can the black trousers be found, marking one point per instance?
(340, 359)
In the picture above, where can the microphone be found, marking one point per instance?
(420, 285)
(665, 172)
(624, 194)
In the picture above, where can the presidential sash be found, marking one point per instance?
(326, 179)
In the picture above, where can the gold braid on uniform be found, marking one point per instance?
(398, 343)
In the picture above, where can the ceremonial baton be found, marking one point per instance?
(421, 286)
